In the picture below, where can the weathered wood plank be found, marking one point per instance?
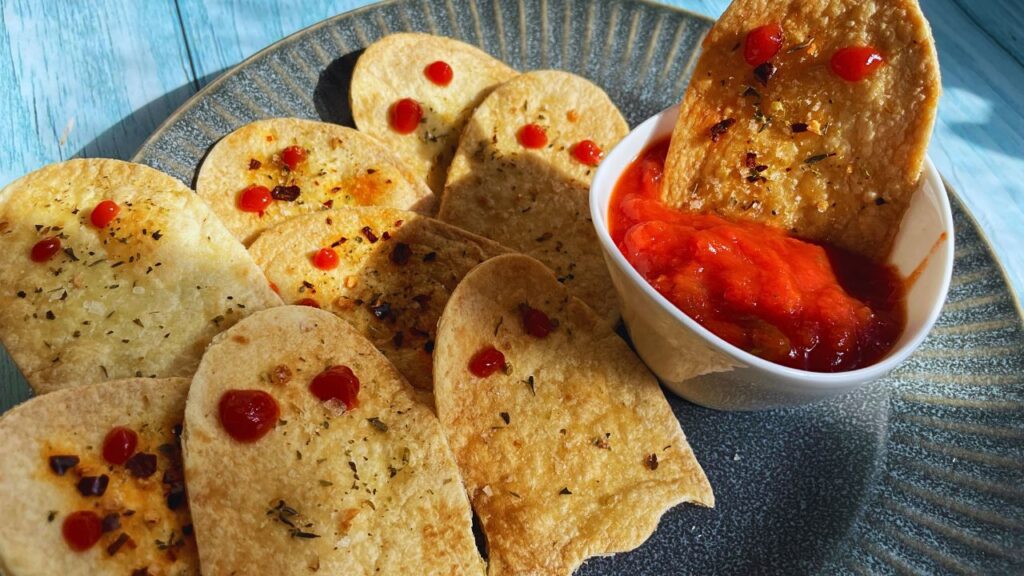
(86, 78)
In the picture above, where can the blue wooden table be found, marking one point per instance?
(95, 78)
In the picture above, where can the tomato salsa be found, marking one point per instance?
(796, 303)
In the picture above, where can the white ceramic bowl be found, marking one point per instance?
(707, 370)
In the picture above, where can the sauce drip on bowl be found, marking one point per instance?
(800, 304)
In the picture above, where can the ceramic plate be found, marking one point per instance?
(920, 473)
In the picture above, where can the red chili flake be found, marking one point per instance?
(721, 128)
(255, 199)
(292, 156)
(532, 136)
(587, 152)
(286, 193)
(116, 545)
(401, 253)
(750, 160)
(104, 213)
(45, 249)
(93, 485)
(337, 383)
(798, 127)
(405, 116)
(368, 232)
(764, 72)
(247, 415)
(141, 465)
(486, 362)
(308, 302)
(275, 288)
(762, 44)
(439, 73)
(855, 63)
(651, 461)
(254, 164)
(111, 522)
(61, 464)
(119, 445)
(535, 322)
(325, 259)
(82, 530)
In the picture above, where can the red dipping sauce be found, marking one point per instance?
(793, 302)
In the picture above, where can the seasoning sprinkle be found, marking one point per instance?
(376, 423)
(721, 128)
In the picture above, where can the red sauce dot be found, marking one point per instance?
(532, 136)
(82, 530)
(587, 152)
(308, 302)
(45, 249)
(487, 362)
(762, 44)
(292, 156)
(337, 383)
(104, 213)
(855, 63)
(255, 199)
(247, 415)
(325, 259)
(405, 116)
(275, 288)
(119, 445)
(535, 322)
(439, 73)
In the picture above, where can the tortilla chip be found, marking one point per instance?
(395, 272)
(343, 167)
(572, 451)
(371, 490)
(392, 68)
(140, 297)
(37, 500)
(536, 201)
(827, 159)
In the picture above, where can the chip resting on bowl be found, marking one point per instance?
(270, 170)
(415, 91)
(522, 172)
(565, 441)
(387, 272)
(92, 482)
(810, 116)
(114, 270)
(306, 451)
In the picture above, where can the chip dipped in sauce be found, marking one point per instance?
(796, 303)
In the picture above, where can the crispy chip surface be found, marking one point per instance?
(573, 450)
(373, 490)
(825, 158)
(36, 500)
(395, 272)
(140, 297)
(535, 201)
(393, 68)
(342, 167)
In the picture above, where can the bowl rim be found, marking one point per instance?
(627, 150)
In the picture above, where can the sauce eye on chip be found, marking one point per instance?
(522, 173)
(566, 443)
(140, 295)
(834, 100)
(415, 92)
(137, 518)
(353, 474)
(271, 170)
(390, 276)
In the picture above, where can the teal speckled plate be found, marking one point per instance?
(922, 473)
